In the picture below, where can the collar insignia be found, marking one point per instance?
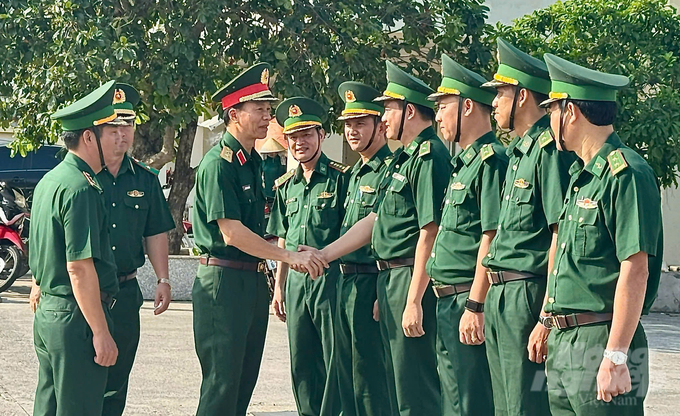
(241, 157)
(92, 182)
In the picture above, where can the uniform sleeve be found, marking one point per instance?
(218, 186)
(429, 183)
(159, 218)
(83, 217)
(553, 176)
(637, 214)
(491, 182)
(278, 222)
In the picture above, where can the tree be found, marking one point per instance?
(178, 52)
(640, 39)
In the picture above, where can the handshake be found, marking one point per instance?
(309, 260)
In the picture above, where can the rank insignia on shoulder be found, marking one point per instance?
(241, 157)
(283, 178)
(521, 183)
(586, 203)
(525, 145)
(458, 186)
(545, 138)
(367, 189)
(325, 194)
(92, 182)
(411, 148)
(616, 162)
(424, 149)
(487, 151)
(145, 166)
(135, 193)
(338, 166)
(399, 177)
(227, 154)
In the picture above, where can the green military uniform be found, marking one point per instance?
(231, 300)
(472, 206)
(410, 197)
(136, 209)
(273, 166)
(69, 223)
(310, 213)
(612, 211)
(534, 189)
(359, 352)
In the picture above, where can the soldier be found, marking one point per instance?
(273, 166)
(469, 222)
(308, 210)
(359, 351)
(608, 261)
(230, 295)
(518, 257)
(402, 229)
(73, 263)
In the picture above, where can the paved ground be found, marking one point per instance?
(166, 377)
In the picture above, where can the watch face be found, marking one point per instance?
(617, 357)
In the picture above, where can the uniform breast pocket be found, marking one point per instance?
(590, 235)
(292, 207)
(396, 201)
(521, 209)
(137, 210)
(456, 214)
(367, 202)
(326, 210)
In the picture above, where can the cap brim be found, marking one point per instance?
(121, 122)
(494, 84)
(437, 95)
(386, 98)
(546, 103)
(351, 116)
(301, 128)
(269, 98)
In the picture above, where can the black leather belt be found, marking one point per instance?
(394, 263)
(442, 291)
(107, 299)
(356, 268)
(236, 265)
(576, 319)
(497, 278)
(122, 278)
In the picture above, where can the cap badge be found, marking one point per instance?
(349, 96)
(264, 78)
(294, 111)
(119, 96)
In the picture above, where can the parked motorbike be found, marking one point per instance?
(14, 217)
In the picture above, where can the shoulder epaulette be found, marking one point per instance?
(338, 166)
(424, 149)
(486, 151)
(616, 162)
(284, 178)
(149, 168)
(227, 154)
(545, 138)
(92, 182)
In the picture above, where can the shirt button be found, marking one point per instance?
(447, 201)
(113, 204)
(136, 206)
(580, 219)
(499, 226)
(396, 166)
(302, 226)
(455, 174)
(555, 272)
(575, 188)
(551, 300)
(563, 245)
(440, 228)
(432, 254)
(351, 201)
(306, 187)
(114, 184)
(507, 197)
(489, 255)
(514, 167)
(305, 206)
(113, 248)
(114, 225)
(570, 218)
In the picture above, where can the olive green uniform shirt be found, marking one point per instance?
(362, 197)
(533, 194)
(69, 223)
(411, 196)
(228, 185)
(136, 209)
(471, 207)
(310, 213)
(272, 168)
(607, 218)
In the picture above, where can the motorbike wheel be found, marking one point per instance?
(14, 266)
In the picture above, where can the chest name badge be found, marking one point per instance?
(367, 189)
(135, 193)
(246, 187)
(325, 195)
(521, 183)
(458, 186)
(586, 203)
(399, 177)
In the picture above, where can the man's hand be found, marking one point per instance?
(163, 298)
(612, 380)
(105, 350)
(34, 297)
(309, 260)
(278, 303)
(412, 320)
(471, 328)
(538, 344)
(376, 311)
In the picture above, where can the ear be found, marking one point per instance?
(322, 133)
(573, 113)
(522, 97)
(233, 115)
(410, 111)
(468, 106)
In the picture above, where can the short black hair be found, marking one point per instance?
(539, 97)
(599, 113)
(72, 138)
(485, 107)
(425, 112)
(225, 114)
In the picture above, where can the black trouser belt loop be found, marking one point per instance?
(579, 319)
(107, 299)
(442, 291)
(394, 263)
(356, 268)
(504, 276)
(122, 278)
(236, 265)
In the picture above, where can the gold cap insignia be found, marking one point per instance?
(349, 96)
(586, 203)
(521, 183)
(294, 111)
(135, 193)
(264, 78)
(119, 96)
(458, 186)
(325, 194)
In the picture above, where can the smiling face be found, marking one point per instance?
(253, 118)
(502, 105)
(447, 116)
(359, 131)
(304, 144)
(392, 118)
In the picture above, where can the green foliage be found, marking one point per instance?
(640, 39)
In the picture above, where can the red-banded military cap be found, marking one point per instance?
(250, 85)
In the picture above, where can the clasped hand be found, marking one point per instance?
(309, 260)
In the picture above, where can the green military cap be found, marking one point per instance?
(300, 113)
(358, 98)
(579, 83)
(519, 68)
(250, 85)
(125, 99)
(94, 109)
(404, 86)
(458, 80)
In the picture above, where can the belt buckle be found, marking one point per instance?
(560, 322)
(382, 265)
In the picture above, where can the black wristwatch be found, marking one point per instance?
(474, 306)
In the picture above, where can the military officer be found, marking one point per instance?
(73, 263)
(359, 351)
(273, 166)
(527, 232)
(609, 254)
(308, 210)
(230, 295)
(402, 229)
(469, 222)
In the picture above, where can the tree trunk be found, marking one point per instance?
(183, 182)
